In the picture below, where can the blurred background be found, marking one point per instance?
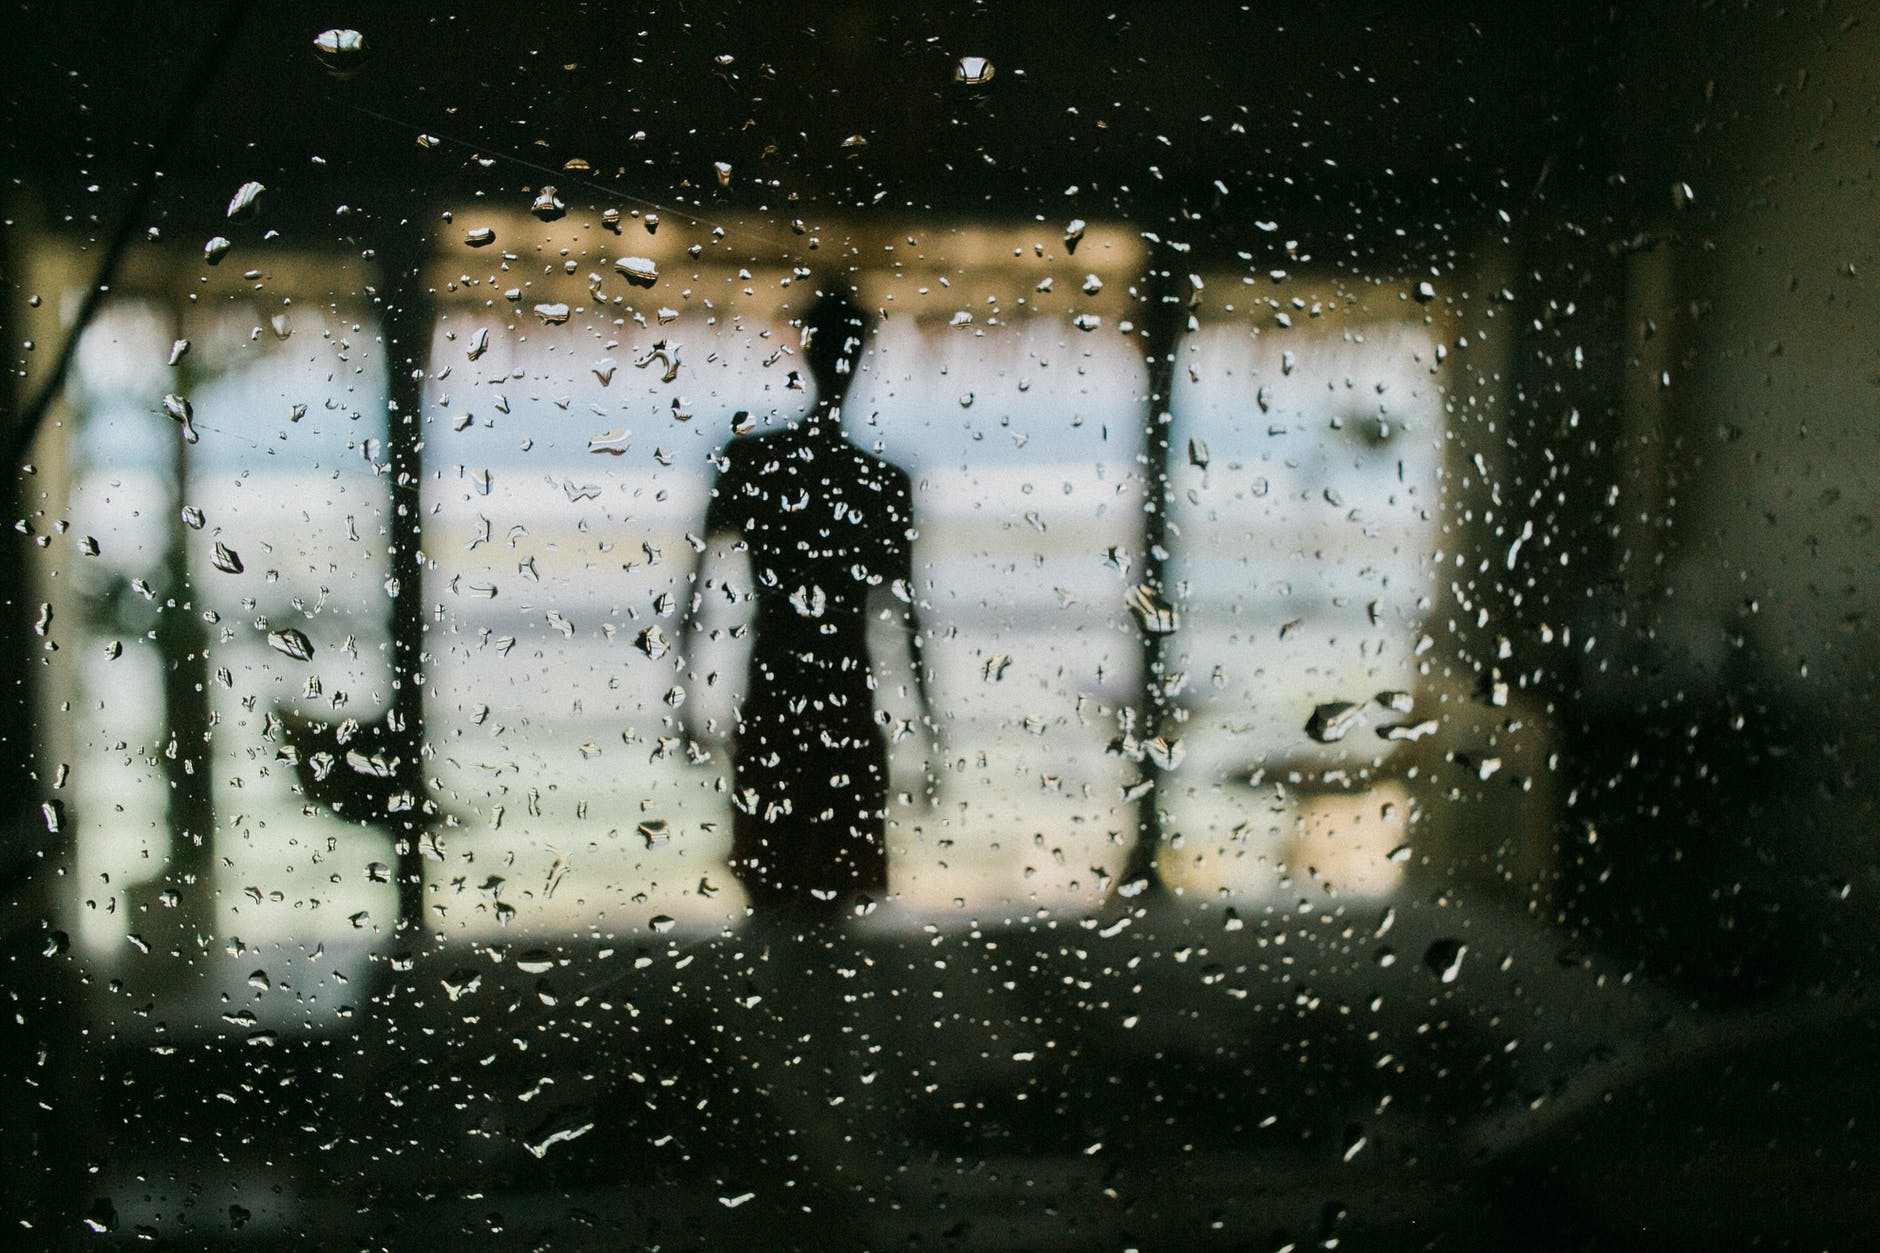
(1396, 563)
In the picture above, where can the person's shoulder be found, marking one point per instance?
(741, 452)
(880, 470)
(746, 446)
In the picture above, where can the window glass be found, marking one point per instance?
(939, 626)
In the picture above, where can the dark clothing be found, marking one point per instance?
(825, 525)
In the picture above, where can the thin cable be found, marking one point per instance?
(195, 87)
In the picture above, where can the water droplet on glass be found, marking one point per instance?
(243, 201)
(479, 342)
(226, 559)
(479, 236)
(1156, 615)
(291, 643)
(1086, 321)
(216, 249)
(652, 642)
(1197, 454)
(973, 70)
(338, 44)
(1329, 722)
(810, 602)
(639, 271)
(1073, 234)
(552, 314)
(179, 409)
(178, 350)
(1444, 958)
(661, 923)
(548, 205)
(1165, 754)
(614, 442)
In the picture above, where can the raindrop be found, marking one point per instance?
(810, 602)
(1166, 754)
(335, 45)
(291, 643)
(1444, 958)
(1156, 615)
(614, 442)
(639, 271)
(973, 70)
(243, 201)
(179, 409)
(1329, 722)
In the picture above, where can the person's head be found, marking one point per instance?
(833, 328)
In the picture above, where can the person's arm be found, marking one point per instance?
(902, 582)
(716, 524)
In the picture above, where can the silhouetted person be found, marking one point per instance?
(829, 532)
